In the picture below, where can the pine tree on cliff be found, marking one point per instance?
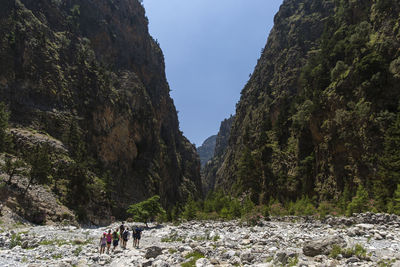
(389, 169)
(5, 139)
(40, 166)
(249, 175)
(394, 204)
(76, 144)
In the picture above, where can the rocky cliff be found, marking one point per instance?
(209, 170)
(206, 150)
(318, 115)
(88, 74)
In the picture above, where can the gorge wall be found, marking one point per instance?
(88, 74)
(209, 170)
(320, 114)
(206, 150)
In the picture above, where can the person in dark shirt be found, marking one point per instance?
(136, 234)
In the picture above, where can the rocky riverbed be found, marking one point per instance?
(362, 240)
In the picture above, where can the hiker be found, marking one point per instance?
(137, 233)
(121, 228)
(115, 237)
(125, 236)
(103, 243)
(109, 238)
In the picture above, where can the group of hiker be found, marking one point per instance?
(119, 234)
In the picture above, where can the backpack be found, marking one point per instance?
(125, 234)
(138, 231)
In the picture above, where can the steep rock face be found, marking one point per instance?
(93, 63)
(221, 143)
(314, 117)
(206, 150)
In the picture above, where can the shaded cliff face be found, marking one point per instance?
(94, 63)
(313, 118)
(206, 150)
(209, 171)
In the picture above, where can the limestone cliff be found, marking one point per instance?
(93, 65)
(206, 150)
(319, 110)
(209, 171)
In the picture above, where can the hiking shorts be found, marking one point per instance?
(115, 243)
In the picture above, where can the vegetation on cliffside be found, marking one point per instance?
(89, 77)
(318, 119)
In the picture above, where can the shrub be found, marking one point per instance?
(190, 210)
(327, 208)
(335, 251)
(302, 206)
(217, 205)
(254, 218)
(277, 209)
(359, 203)
(194, 256)
(358, 251)
(394, 204)
(77, 251)
(235, 209)
(15, 240)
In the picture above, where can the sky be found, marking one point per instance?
(210, 48)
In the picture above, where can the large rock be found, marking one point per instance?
(160, 263)
(203, 262)
(322, 246)
(153, 252)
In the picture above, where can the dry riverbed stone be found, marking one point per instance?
(322, 246)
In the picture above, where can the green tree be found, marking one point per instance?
(146, 210)
(78, 191)
(394, 204)
(40, 165)
(389, 164)
(235, 210)
(5, 140)
(345, 199)
(73, 19)
(359, 203)
(249, 175)
(12, 167)
(190, 210)
(76, 144)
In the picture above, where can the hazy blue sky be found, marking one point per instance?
(210, 48)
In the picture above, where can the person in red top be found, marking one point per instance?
(109, 239)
